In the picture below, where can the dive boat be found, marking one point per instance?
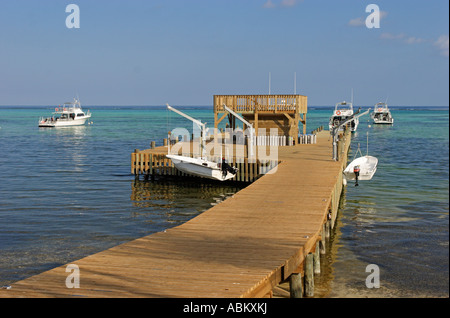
(200, 166)
(69, 114)
(342, 112)
(381, 114)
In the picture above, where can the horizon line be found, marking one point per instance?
(447, 106)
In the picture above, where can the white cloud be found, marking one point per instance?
(357, 22)
(289, 3)
(390, 36)
(269, 4)
(402, 37)
(284, 3)
(442, 45)
(413, 40)
(383, 14)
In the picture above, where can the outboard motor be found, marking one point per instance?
(227, 168)
(356, 171)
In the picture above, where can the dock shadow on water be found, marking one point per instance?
(174, 201)
(60, 236)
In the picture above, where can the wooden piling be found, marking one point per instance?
(317, 259)
(295, 285)
(323, 240)
(328, 229)
(309, 275)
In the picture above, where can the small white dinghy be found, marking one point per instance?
(203, 168)
(361, 168)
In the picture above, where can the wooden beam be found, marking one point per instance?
(221, 118)
(289, 117)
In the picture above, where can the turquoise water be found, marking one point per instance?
(66, 193)
(399, 219)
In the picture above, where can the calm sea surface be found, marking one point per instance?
(67, 193)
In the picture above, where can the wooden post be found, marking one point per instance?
(328, 229)
(317, 259)
(215, 103)
(322, 241)
(256, 123)
(136, 164)
(309, 275)
(295, 285)
(133, 162)
(150, 170)
(246, 170)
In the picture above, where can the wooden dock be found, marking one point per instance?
(271, 231)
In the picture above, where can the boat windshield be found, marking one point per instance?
(344, 106)
(381, 106)
(71, 105)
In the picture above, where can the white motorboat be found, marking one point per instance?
(200, 166)
(362, 168)
(69, 114)
(381, 114)
(342, 112)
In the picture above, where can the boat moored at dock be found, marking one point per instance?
(362, 168)
(342, 112)
(200, 166)
(69, 114)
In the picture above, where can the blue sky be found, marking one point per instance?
(182, 52)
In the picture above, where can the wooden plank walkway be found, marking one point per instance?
(242, 247)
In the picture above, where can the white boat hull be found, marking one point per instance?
(199, 167)
(383, 122)
(367, 165)
(388, 121)
(64, 122)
